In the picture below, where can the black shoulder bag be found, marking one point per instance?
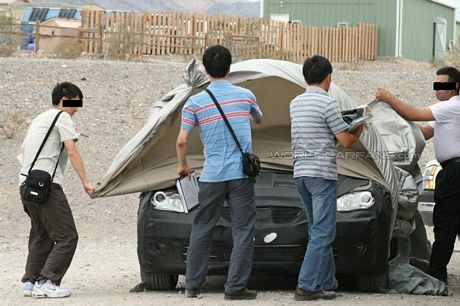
(38, 182)
(251, 162)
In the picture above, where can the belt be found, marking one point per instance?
(450, 161)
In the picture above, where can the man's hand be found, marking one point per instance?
(359, 130)
(347, 139)
(89, 189)
(384, 95)
(184, 171)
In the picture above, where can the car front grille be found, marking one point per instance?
(284, 254)
(280, 215)
(280, 253)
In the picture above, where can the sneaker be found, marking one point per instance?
(193, 292)
(49, 289)
(243, 294)
(304, 295)
(28, 288)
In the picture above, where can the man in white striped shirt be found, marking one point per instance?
(315, 121)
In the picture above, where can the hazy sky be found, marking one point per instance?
(457, 3)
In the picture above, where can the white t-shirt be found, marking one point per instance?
(446, 129)
(62, 131)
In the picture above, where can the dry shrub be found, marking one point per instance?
(12, 123)
(68, 48)
(9, 42)
(243, 47)
(349, 66)
(450, 58)
(123, 44)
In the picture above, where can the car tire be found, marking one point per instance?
(159, 281)
(373, 283)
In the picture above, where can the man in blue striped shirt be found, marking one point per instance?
(222, 177)
(316, 121)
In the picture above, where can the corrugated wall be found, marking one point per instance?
(457, 38)
(418, 28)
(329, 12)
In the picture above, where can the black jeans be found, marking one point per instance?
(446, 219)
(52, 239)
(241, 201)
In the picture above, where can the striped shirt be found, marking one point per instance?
(223, 160)
(315, 119)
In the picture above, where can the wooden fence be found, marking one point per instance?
(137, 34)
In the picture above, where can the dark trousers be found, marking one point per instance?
(241, 201)
(52, 239)
(446, 219)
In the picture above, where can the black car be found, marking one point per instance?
(368, 187)
(361, 246)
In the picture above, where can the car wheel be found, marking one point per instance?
(159, 281)
(373, 283)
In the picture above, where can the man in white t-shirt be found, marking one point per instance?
(53, 236)
(444, 126)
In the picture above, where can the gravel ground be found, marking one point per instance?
(117, 98)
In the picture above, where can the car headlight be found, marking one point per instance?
(167, 200)
(355, 201)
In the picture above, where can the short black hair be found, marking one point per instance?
(65, 89)
(316, 69)
(452, 72)
(217, 60)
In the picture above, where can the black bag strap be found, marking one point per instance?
(225, 119)
(43, 144)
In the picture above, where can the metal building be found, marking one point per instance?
(414, 29)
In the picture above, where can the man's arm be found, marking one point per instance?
(406, 111)
(427, 131)
(347, 139)
(181, 150)
(77, 163)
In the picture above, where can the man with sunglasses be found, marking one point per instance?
(53, 236)
(444, 126)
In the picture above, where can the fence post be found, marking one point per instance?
(99, 48)
(80, 39)
(37, 36)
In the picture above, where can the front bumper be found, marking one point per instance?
(361, 245)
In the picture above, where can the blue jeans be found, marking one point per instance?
(319, 196)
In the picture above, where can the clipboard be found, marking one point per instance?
(188, 192)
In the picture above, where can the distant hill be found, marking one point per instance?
(227, 7)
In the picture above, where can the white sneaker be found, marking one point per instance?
(28, 288)
(49, 289)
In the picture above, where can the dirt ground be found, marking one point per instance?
(105, 265)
